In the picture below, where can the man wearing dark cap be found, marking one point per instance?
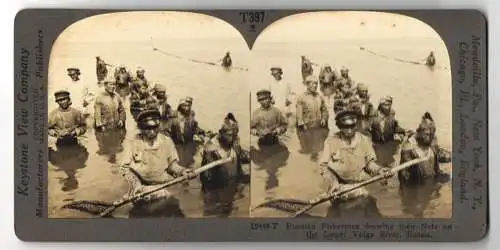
(268, 122)
(65, 123)
(312, 119)
(348, 157)
(74, 74)
(152, 157)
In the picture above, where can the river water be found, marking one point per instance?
(90, 172)
(415, 89)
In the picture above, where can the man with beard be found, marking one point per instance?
(219, 184)
(365, 107)
(109, 120)
(423, 144)
(65, 123)
(385, 130)
(151, 160)
(312, 118)
(268, 122)
(185, 132)
(160, 94)
(349, 159)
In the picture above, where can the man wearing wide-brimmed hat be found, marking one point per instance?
(65, 123)
(348, 158)
(267, 122)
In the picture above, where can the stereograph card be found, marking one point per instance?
(251, 125)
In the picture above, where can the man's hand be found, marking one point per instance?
(53, 133)
(323, 123)
(254, 132)
(301, 127)
(189, 173)
(386, 172)
(120, 124)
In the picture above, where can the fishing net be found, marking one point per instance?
(92, 207)
(287, 205)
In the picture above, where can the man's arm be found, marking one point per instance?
(283, 123)
(98, 111)
(121, 110)
(81, 126)
(52, 124)
(300, 111)
(324, 110)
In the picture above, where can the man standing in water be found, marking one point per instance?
(184, 131)
(312, 118)
(101, 69)
(139, 80)
(348, 159)
(385, 131)
(365, 107)
(268, 122)
(281, 91)
(219, 184)
(307, 68)
(423, 144)
(109, 120)
(153, 159)
(65, 123)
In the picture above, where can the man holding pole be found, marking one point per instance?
(152, 159)
(349, 159)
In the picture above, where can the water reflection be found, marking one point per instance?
(69, 159)
(270, 156)
(416, 199)
(363, 207)
(164, 207)
(110, 143)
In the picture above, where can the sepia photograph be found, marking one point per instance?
(351, 117)
(149, 117)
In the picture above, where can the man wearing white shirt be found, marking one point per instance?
(281, 91)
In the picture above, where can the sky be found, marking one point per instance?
(143, 25)
(346, 25)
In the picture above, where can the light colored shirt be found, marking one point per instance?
(154, 163)
(311, 109)
(266, 121)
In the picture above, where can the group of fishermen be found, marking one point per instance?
(167, 142)
(345, 134)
